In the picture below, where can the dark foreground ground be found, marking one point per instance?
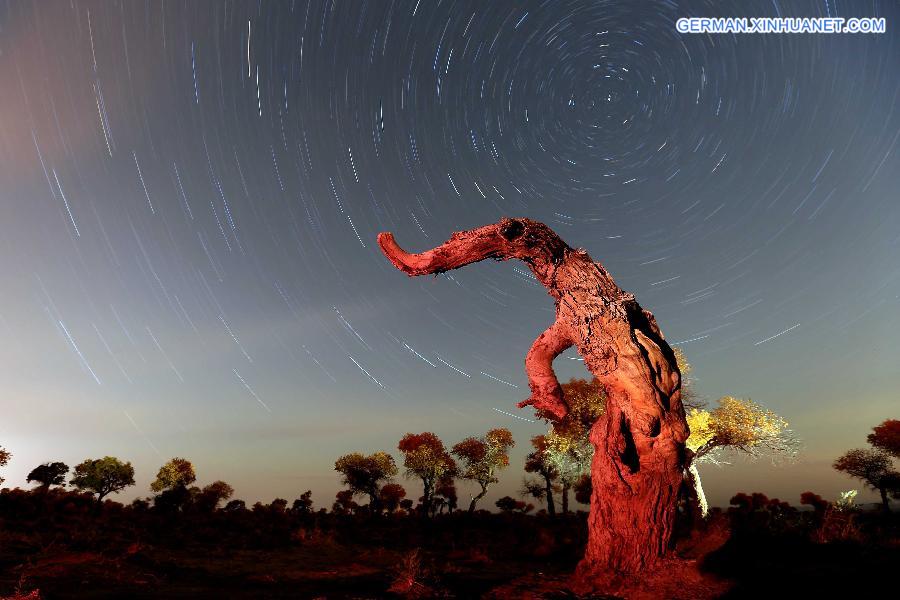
(59, 546)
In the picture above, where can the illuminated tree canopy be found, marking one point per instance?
(734, 425)
(567, 445)
(178, 472)
(741, 425)
(103, 476)
(482, 458)
(538, 462)
(425, 457)
(365, 474)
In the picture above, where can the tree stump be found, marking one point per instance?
(639, 457)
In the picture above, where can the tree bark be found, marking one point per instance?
(639, 457)
(475, 499)
(565, 498)
(698, 490)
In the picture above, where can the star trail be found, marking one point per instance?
(190, 194)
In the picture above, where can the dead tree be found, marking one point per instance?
(639, 456)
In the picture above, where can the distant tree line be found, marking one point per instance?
(558, 466)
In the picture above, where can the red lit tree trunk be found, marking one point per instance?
(639, 456)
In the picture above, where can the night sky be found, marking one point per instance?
(190, 194)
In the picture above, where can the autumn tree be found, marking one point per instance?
(874, 468)
(47, 474)
(886, 437)
(171, 485)
(5, 455)
(391, 495)
(425, 457)
(567, 444)
(365, 474)
(176, 473)
(482, 458)
(735, 425)
(538, 462)
(102, 476)
(571, 463)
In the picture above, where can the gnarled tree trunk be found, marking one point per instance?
(639, 456)
(478, 497)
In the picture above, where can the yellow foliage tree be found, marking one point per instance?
(481, 458)
(178, 472)
(738, 425)
(425, 457)
(567, 447)
(364, 474)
